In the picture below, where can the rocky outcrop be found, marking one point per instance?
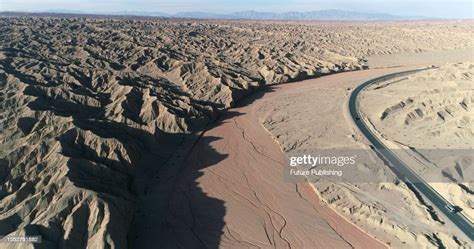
(91, 109)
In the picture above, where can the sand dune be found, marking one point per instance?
(97, 114)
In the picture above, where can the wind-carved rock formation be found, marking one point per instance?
(91, 109)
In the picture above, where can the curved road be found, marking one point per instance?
(402, 170)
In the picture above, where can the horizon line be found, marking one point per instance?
(222, 16)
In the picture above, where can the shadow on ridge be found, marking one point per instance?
(171, 209)
(194, 219)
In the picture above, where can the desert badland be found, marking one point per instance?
(162, 133)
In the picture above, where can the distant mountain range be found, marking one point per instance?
(324, 15)
(329, 15)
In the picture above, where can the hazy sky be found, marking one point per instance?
(428, 8)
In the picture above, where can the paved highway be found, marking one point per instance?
(402, 170)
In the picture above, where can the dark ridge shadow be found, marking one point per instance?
(168, 195)
(25, 124)
(119, 183)
(4, 172)
(171, 210)
(9, 224)
(466, 188)
(172, 202)
(48, 239)
(193, 219)
(257, 94)
(51, 238)
(132, 106)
